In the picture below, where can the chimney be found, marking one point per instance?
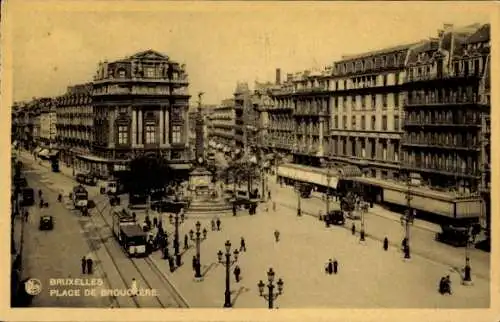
(278, 76)
(448, 27)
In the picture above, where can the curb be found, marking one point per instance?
(179, 294)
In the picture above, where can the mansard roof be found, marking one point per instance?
(481, 35)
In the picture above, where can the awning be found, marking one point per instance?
(350, 171)
(53, 153)
(43, 153)
(180, 166)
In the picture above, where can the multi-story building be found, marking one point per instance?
(140, 105)
(222, 125)
(48, 121)
(367, 109)
(446, 141)
(243, 113)
(75, 125)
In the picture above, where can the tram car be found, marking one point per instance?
(129, 233)
(80, 197)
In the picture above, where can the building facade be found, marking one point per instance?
(48, 119)
(222, 125)
(75, 126)
(140, 107)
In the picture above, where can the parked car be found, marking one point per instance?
(451, 235)
(46, 222)
(335, 217)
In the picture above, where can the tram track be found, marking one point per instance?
(92, 245)
(142, 267)
(151, 275)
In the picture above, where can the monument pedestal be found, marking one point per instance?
(200, 180)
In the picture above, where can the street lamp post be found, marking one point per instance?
(328, 165)
(198, 262)
(174, 219)
(407, 220)
(271, 296)
(297, 188)
(227, 264)
(467, 269)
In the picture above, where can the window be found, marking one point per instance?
(384, 101)
(363, 122)
(384, 80)
(374, 123)
(374, 101)
(150, 134)
(150, 72)
(121, 73)
(344, 122)
(122, 134)
(396, 123)
(396, 78)
(336, 121)
(363, 102)
(396, 100)
(353, 122)
(176, 134)
(384, 123)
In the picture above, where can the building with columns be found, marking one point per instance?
(140, 107)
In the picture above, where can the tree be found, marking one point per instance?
(241, 172)
(149, 172)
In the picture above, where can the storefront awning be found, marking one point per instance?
(350, 171)
(43, 153)
(53, 153)
(180, 166)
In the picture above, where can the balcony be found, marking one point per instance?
(465, 122)
(422, 143)
(184, 80)
(442, 101)
(313, 89)
(435, 76)
(309, 111)
(436, 168)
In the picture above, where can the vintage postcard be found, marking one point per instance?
(249, 158)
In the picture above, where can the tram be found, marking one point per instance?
(80, 197)
(129, 233)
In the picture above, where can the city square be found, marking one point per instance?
(364, 183)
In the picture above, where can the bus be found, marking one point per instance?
(129, 233)
(80, 197)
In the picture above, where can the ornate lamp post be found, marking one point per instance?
(271, 296)
(407, 220)
(297, 188)
(198, 263)
(328, 164)
(467, 269)
(227, 264)
(174, 219)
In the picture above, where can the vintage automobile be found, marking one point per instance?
(451, 235)
(335, 217)
(46, 222)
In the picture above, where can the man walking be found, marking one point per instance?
(243, 247)
(237, 272)
(386, 243)
(90, 262)
(84, 265)
(218, 224)
(335, 266)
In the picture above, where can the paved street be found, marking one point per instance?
(57, 253)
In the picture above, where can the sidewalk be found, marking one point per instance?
(377, 227)
(299, 259)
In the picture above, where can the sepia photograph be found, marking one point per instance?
(230, 155)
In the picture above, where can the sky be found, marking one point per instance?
(56, 45)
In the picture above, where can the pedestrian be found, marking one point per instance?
(243, 247)
(41, 203)
(218, 224)
(335, 266)
(329, 267)
(165, 252)
(84, 265)
(269, 195)
(277, 235)
(186, 246)
(386, 243)
(133, 288)
(353, 229)
(155, 222)
(212, 222)
(90, 262)
(171, 263)
(274, 206)
(404, 243)
(26, 214)
(237, 272)
(448, 284)
(195, 263)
